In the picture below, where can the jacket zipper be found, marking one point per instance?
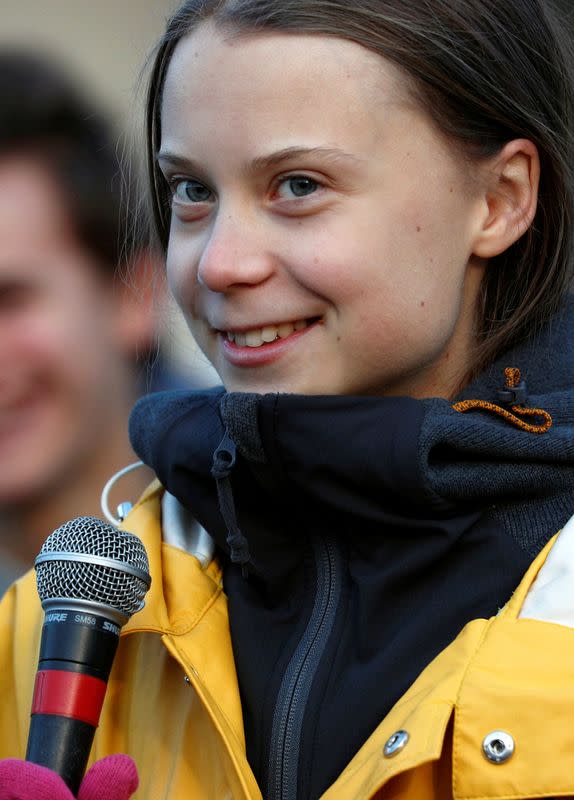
(301, 670)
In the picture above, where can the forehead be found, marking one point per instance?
(271, 81)
(35, 227)
(30, 195)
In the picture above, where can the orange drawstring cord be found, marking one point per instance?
(515, 412)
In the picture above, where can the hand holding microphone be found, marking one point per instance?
(112, 778)
(91, 578)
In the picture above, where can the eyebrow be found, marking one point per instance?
(289, 153)
(270, 160)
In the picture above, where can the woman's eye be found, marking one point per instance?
(190, 191)
(297, 186)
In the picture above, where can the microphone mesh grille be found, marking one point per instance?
(81, 580)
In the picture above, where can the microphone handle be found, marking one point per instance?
(76, 656)
(63, 745)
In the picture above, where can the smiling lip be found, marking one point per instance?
(245, 356)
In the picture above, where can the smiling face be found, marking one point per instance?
(322, 229)
(59, 353)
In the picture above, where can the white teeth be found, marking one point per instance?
(258, 336)
(285, 329)
(269, 333)
(253, 338)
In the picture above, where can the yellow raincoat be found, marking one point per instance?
(173, 701)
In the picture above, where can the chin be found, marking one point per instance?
(271, 387)
(14, 492)
(30, 478)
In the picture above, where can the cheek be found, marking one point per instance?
(35, 339)
(181, 272)
(367, 266)
(431, 248)
(402, 292)
(57, 347)
(440, 220)
(183, 285)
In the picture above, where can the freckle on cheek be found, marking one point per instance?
(418, 228)
(422, 303)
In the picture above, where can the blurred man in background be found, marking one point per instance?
(72, 330)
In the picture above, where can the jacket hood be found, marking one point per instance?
(382, 457)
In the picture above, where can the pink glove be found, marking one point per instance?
(112, 778)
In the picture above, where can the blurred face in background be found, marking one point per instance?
(60, 348)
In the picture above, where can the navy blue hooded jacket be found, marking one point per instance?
(358, 536)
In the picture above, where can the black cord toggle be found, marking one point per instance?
(224, 460)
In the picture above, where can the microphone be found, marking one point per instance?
(91, 578)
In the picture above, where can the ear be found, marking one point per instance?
(140, 295)
(511, 196)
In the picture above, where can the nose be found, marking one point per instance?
(237, 253)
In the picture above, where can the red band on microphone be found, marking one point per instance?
(69, 694)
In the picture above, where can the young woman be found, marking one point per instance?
(367, 213)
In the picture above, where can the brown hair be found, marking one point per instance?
(486, 71)
(45, 116)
